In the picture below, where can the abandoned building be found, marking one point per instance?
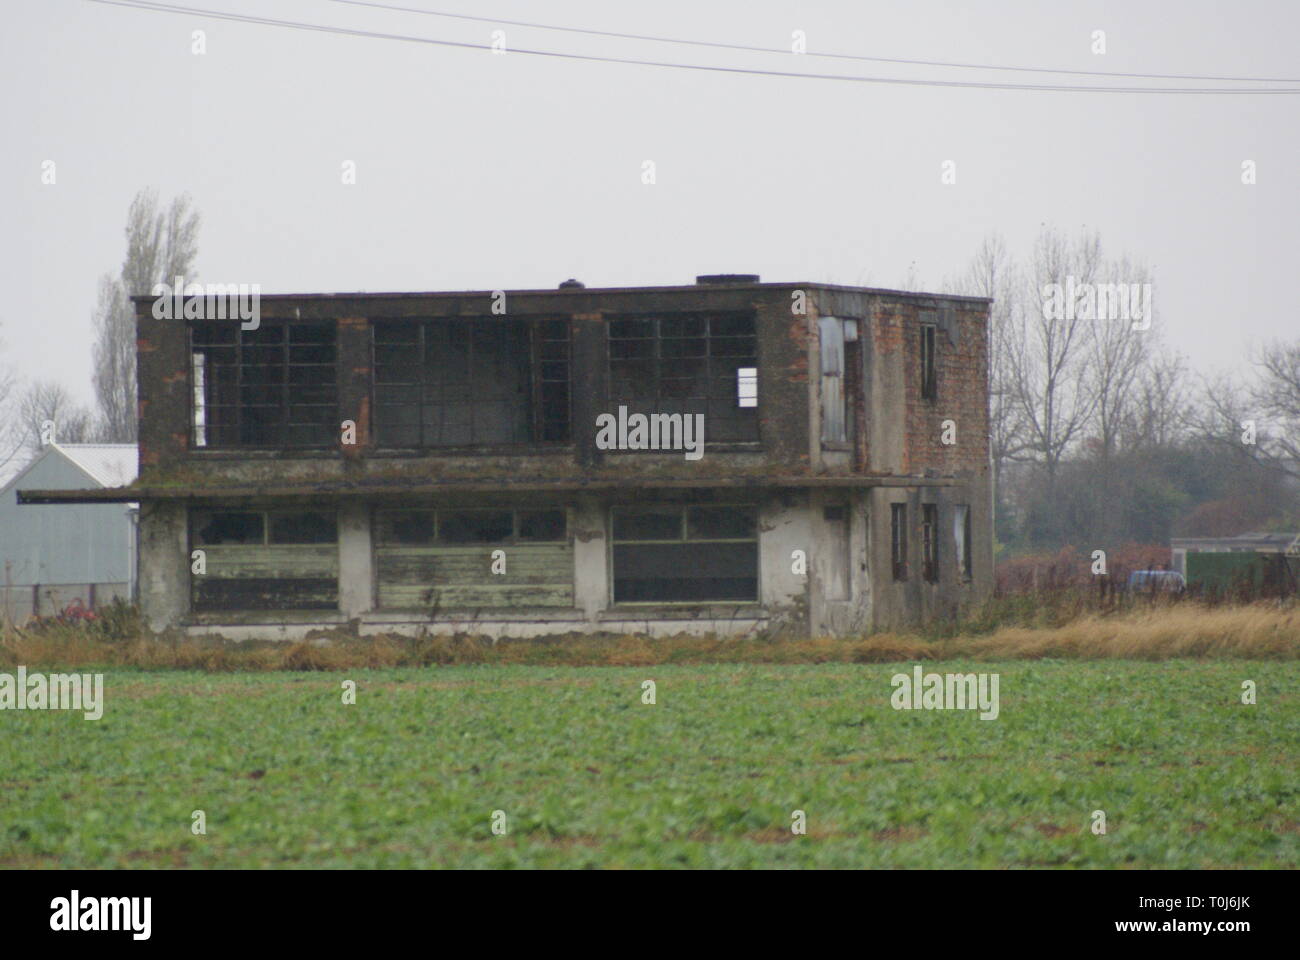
(730, 456)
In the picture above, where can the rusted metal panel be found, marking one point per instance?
(536, 575)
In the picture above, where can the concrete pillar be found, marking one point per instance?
(356, 576)
(164, 564)
(591, 588)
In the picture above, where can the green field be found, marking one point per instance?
(589, 776)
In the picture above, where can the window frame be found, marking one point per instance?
(742, 418)
(201, 420)
(541, 371)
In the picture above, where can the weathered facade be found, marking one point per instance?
(474, 461)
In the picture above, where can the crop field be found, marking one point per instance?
(573, 769)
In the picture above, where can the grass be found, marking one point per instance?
(587, 775)
(1264, 631)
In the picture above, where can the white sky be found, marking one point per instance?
(477, 171)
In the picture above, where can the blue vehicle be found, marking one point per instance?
(1156, 581)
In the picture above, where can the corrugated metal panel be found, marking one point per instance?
(537, 575)
(111, 464)
(83, 543)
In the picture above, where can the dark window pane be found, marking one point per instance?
(541, 525)
(677, 573)
(474, 526)
(303, 528)
(405, 526)
(218, 528)
(721, 523)
(648, 524)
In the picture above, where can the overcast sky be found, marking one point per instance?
(483, 171)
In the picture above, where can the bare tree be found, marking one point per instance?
(1277, 397)
(1160, 412)
(992, 274)
(13, 433)
(1048, 357)
(47, 411)
(1118, 353)
(160, 246)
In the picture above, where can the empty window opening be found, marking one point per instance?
(929, 376)
(465, 382)
(930, 542)
(688, 364)
(694, 554)
(898, 539)
(276, 386)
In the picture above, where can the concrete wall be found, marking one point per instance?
(785, 524)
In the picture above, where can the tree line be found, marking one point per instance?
(1100, 432)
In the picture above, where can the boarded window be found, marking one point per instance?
(688, 364)
(276, 386)
(961, 535)
(930, 542)
(452, 559)
(445, 383)
(898, 539)
(265, 560)
(837, 584)
(685, 554)
(833, 394)
(929, 375)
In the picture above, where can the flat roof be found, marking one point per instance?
(589, 291)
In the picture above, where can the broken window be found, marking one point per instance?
(930, 542)
(833, 394)
(685, 554)
(898, 539)
(445, 383)
(276, 386)
(929, 376)
(264, 560)
(688, 364)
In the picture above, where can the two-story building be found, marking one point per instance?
(727, 456)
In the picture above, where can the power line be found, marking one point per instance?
(830, 56)
(591, 58)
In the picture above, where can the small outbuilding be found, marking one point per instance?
(78, 555)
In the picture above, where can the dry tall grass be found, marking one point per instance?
(1260, 632)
